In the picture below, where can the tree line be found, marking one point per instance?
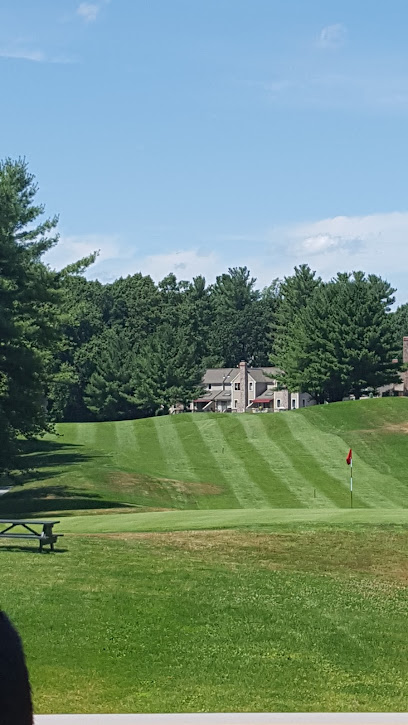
(73, 349)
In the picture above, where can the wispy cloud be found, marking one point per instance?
(70, 248)
(375, 243)
(89, 11)
(23, 54)
(19, 52)
(333, 36)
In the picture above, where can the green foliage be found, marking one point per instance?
(166, 370)
(110, 393)
(28, 308)
(242, 320)
(340, 342)
(400, 325)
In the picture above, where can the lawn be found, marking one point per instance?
(213, 563)
(307, 620)
(212, 462)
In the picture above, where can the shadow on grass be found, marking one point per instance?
(29, 501)
(44, 454)
(23, 549)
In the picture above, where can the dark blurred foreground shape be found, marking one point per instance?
(15, 695)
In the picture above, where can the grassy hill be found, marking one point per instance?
(220, 462)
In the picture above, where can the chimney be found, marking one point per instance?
(243, 387)
(405, 349)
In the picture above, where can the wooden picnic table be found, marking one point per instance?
(45, 536)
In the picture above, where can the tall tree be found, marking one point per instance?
(293, 295)
(167, 371)
(109, 394)
(28, 307)
(342, 340)
(241, 320)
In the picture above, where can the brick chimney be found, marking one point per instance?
(405, 349)
(243, 387)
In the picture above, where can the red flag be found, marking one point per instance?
(349, 457)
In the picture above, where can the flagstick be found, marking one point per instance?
(351, 484)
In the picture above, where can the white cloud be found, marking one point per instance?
(20, 52)
(23, 53)
(89, 11)
(375, 243)
(71, 248)
(185, 264)
(333, 36)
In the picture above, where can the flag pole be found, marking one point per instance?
(349, 461)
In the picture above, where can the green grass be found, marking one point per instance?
(214, 462)
(213, 563)
(214, 621)
(231, 519)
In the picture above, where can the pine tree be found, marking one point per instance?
(28, 308)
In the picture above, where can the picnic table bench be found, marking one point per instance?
(45, 536)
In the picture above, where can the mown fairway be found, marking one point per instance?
(293, 460)
(215, 621)
(212, 563)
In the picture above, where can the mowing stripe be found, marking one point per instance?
(254, 458)
(263, 437)
(178, 464)
(308, 466)
(149, 445)
(203, 460)
(241, 482)
(128, 444)
(372, 486)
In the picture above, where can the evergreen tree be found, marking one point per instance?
(342, 341)
(28, 308)
(167, 371)
(109, 394)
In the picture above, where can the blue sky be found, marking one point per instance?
(190, 136)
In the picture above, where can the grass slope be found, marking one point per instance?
(214, 621)
(219, 462)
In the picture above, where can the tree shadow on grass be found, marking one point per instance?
(45, 454)
(44, 460)
(30, 501)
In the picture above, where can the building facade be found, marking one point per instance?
(246, 390)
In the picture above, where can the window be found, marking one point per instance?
(278, 403)
(209, 386)
(251, 385)
(237, 386)
(304, 403)
(293, 404)
(236, 403)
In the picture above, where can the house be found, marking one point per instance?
(246, 390)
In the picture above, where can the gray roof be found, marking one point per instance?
(215, 376)
(214, 395)
(260, 375)
(267, 395)
(263, 375)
